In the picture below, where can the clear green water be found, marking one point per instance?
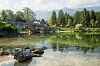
(64, 49)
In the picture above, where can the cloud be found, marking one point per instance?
(82, 3)
(16, 5)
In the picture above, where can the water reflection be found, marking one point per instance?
(63, 50)
(22, 64)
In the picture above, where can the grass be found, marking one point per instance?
(76, 30)
(65, 29)
(24, 31)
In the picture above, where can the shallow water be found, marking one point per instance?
(51, 58)
(59, 54)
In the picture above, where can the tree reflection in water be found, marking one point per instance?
(61, 48)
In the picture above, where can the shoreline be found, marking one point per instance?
(5, 58)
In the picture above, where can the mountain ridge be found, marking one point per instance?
(46, 14)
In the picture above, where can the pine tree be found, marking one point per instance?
(85, 18)
(61, 18)
(66, 18)
(92, 15)
(53, 18)
(77, 18)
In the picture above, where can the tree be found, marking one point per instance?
(66, 18)
(3, 15)
(10, 15)
(53, 18)
(76, 17)
(98, 18)
(85, 18)
(7, 15)
(92, 22)
(70, 22)
(78, 26)
(19, 16)
(49, 21)
(92, 15)
(61, 18)
(29, 15)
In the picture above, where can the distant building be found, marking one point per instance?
(37, 22)
(41, 22)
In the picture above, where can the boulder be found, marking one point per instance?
(38, 52)
(22, 55)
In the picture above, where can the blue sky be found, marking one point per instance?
(38, 5)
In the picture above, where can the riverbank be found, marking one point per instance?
(5, 58)
(74, 30)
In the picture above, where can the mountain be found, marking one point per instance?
(96, 9)
(43, 14)
(46, 14)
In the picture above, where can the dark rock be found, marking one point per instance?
(14, 51)
(22, 55)
(27, 48)
(38, 52)
(4, 53)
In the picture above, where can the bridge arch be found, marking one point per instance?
(31, 29)
(30, 26)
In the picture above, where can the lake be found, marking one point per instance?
(64, 49)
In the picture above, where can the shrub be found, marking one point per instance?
(78, 26)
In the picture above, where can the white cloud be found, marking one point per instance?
(16, 5)
(82, 3)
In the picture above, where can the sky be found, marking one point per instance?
(49, 5)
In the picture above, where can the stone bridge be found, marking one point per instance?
(21, 25)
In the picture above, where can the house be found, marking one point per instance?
(41, 22)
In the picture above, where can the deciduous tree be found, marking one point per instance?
(29, 15)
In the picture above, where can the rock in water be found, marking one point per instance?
(38, 52)
(22, 55)
(4, 53)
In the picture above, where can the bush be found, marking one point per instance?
(78, 26)
(4, 26)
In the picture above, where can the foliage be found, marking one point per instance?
(92, 15)
(70, 23)
(66, 18)
(83, 17)
(92, 22)
(27, 15)
(53, 18)
(61, 18)
(19, 16)
(6, 27)
(78, 26)
(49, 21)
(7, 15)
(23, 31)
